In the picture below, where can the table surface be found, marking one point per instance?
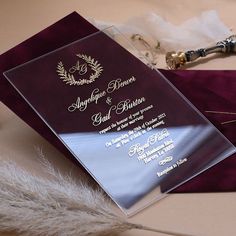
(197, 214)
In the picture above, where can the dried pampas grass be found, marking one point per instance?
(34, 206)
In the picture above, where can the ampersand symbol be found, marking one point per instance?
(108, 101)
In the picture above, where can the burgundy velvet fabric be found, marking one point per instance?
(207, 90)
(211, 91)
(65, 31)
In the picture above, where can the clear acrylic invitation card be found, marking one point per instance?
(135, 133)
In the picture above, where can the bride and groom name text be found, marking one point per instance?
(96, 94)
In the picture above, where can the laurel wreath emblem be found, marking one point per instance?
(69, 79)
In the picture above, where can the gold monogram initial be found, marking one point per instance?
(69, 76)
(81, 68)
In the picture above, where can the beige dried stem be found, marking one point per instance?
(32, 205)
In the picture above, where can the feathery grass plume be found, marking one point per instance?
(35, 206)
